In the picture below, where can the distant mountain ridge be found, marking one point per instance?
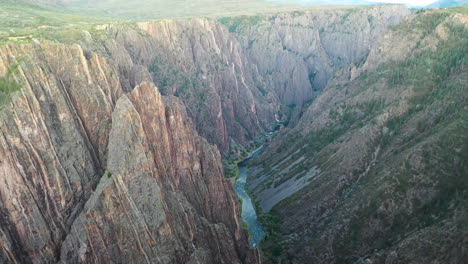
(448, 3)
(329, 2)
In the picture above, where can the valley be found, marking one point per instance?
(249, 214)
(143, 141)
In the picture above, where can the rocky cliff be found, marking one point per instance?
(92, 175)
(297, 53)
(164, 198)
(375, 170)
(54, 137)
(99, 165)
(237, 74)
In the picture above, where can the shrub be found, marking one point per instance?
(7, 86)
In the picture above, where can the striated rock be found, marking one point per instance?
(165, 199)
(95, 171)
(378, 156)
(53, 145)
(201, 63)
(235, 75)
(297, 53)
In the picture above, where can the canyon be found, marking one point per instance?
(77, 156)
(120, 141)
(375, 169)
(248, 66)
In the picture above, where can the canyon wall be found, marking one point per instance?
(95, 170)
(90, 174)
(164, 198)
(54, 137)
(236, 75)
(375, 170)
(297, 53)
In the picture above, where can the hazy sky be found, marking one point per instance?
(350, 2)
(410, 2)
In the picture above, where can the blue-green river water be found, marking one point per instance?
(249, 216)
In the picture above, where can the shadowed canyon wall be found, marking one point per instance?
(237, 74)
(95, 170)
(90, 174)
(375, 171)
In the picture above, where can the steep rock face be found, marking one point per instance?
(201, 63)
(53, 144)
(56, 144)
(235, 74)
(379, 158)
(297, 53)
(166, 201)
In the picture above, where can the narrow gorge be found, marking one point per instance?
(122, 142)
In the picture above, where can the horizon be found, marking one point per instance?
(412, 3)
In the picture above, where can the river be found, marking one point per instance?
(249, 216)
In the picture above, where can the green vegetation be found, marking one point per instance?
(345, 118)
(22, 22)
(8, 85)
(184, 90)
(234, 23)
(231, 168)
(428, 19)
(159, 9)
(444, 165)
(169, 79)
(424, 149)
(457, 9)
(428, 141)
(22, 15)
(109, 174)
(271, 244)
(429, 72)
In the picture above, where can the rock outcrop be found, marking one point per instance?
(164, 198)
(237, 74)
(53, 140)
(94, 170)
(82, 181)
(297, 53)
(375, 169)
